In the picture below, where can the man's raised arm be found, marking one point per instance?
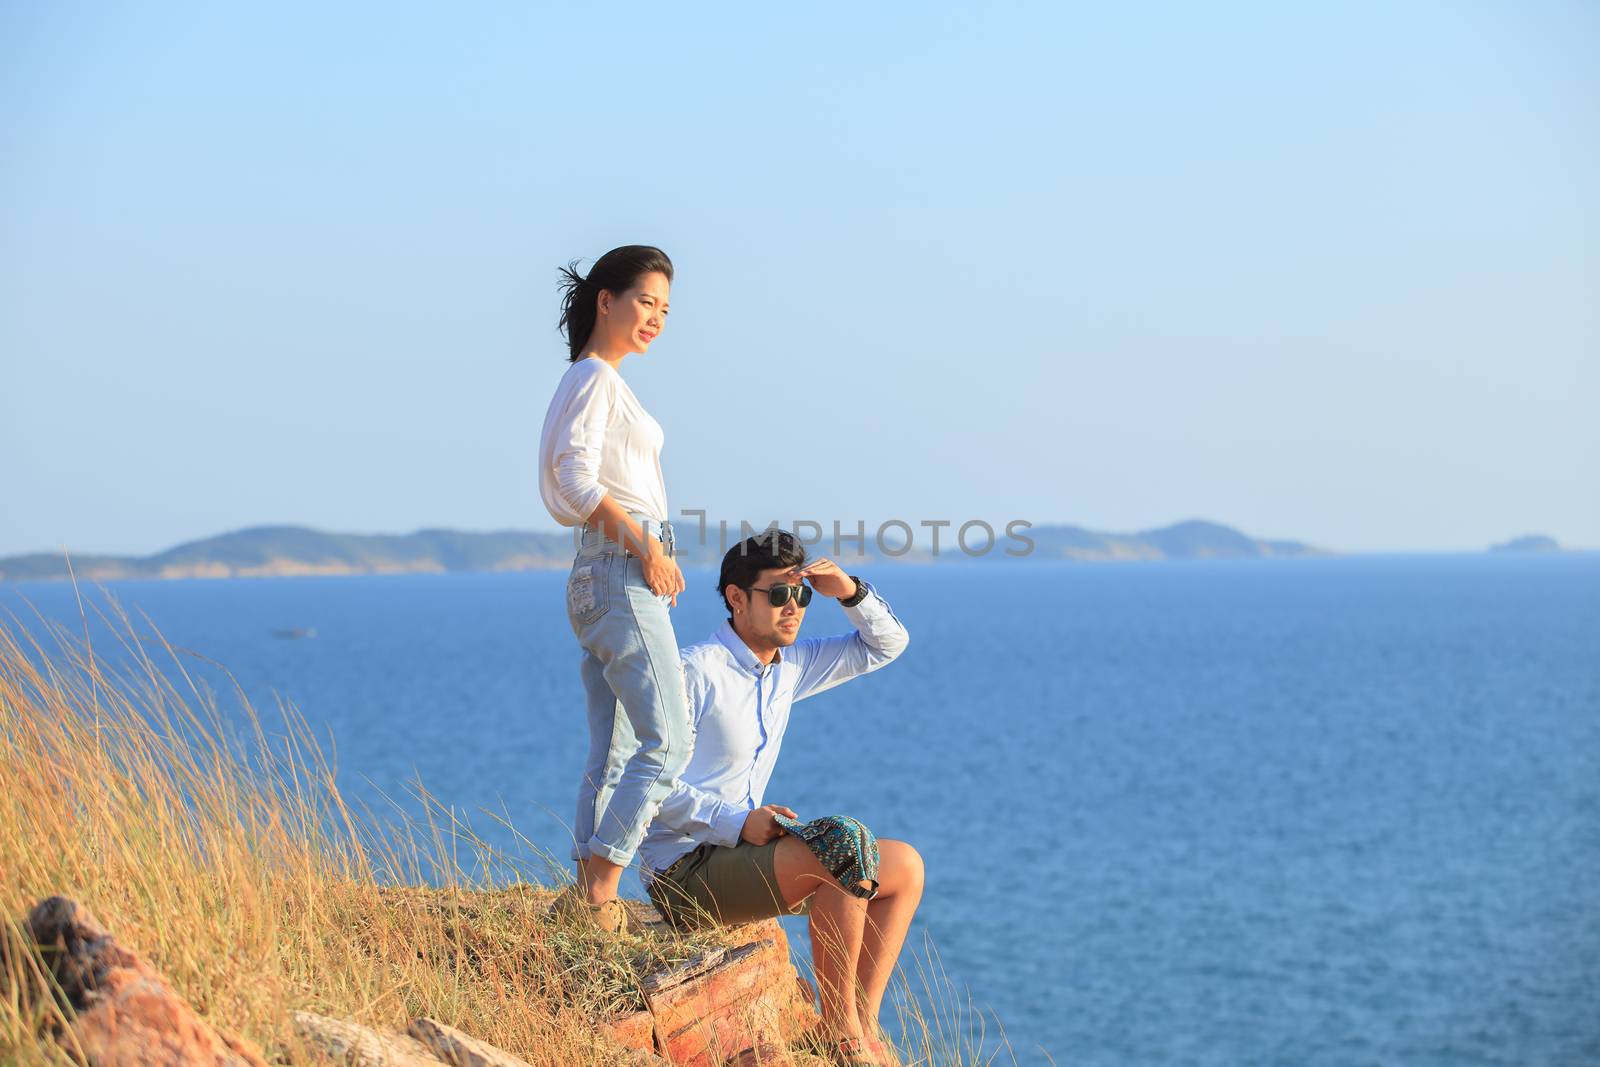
(879, 637)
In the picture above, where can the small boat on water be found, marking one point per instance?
(298, 633)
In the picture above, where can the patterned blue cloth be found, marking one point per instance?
(844, 847)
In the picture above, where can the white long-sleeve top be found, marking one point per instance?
(599, 439)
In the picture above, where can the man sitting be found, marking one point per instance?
(715, 850)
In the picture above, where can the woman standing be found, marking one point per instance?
(600, 469)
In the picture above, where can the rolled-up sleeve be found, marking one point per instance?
(580, 436)
(827, 661)
(702, 815)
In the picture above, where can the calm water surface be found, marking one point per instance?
(1321, 812)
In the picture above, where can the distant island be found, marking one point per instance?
(1527, 543)
(286, 551)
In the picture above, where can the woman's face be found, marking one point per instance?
(636, 317)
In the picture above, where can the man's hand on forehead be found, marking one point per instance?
(826, 578)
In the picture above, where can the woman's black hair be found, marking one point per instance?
(745, 561)
(615, 272)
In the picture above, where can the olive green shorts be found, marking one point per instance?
(718, 884)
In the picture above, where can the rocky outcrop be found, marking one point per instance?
(427, 1043)
(741, 1004)
(361, 1046)
(123, 1014)
(458, 1049)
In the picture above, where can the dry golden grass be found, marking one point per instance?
(240, 873)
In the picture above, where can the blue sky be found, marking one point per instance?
(1322, 274)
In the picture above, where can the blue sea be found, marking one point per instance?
(1309, 812)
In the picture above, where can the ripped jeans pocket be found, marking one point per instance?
(589, 588)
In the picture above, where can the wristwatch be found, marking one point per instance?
(857, 597)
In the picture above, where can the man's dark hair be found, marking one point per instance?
(616, 272)
(745, 561)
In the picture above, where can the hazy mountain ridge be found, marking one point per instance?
(1193, 539)
(279, 551)
(1528, 543)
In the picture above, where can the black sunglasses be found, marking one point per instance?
(778, 595)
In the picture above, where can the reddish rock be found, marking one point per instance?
(636, 1031)
(125, 1014)
(742, 1002)
(644, 1058)
(764, 1056)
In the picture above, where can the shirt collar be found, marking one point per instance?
(741, 652)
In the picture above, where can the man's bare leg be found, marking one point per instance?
(838, 922)
(900, 876)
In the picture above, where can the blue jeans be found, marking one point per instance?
(639, 729)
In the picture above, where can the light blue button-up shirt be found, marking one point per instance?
(740, 708)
